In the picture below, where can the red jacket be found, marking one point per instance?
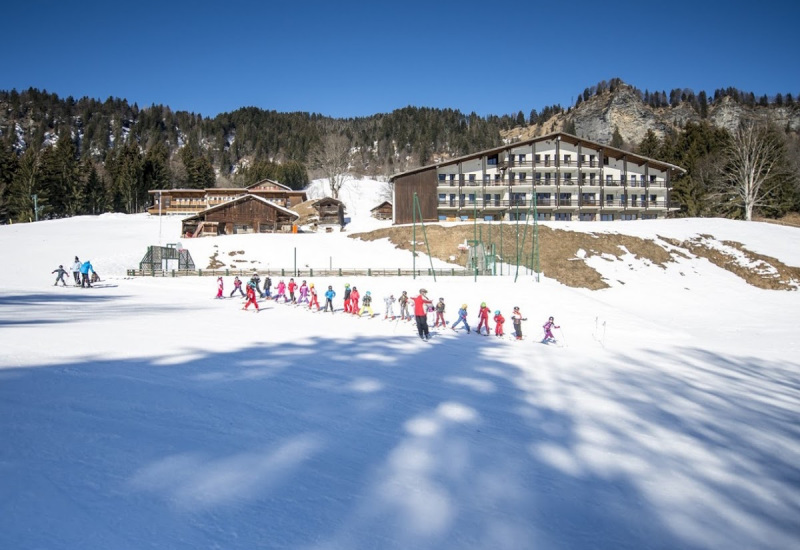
(419, 305)
(484, 313)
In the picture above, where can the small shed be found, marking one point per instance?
(383, 211)
(246, 214)
(330, 211)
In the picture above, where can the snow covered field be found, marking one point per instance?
(146, 414)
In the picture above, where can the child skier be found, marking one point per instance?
(303, 294)
(313, 292)
(354, 297)
(237, 285)
(483, 315)
(498, 323)
(516, 319)
(389, 301)
(292, 287)
(220, 286)
(347, 292)
(251, 296)
(403, 301)
(366, 305)
(267, 287)
(548, 331)
(329, 295)
(462, 318)
(281, 291)
(440, 314)
(256, 281)
(61, 272)
(76, 271)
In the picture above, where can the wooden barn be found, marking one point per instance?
(330, 212)
(383, 211)
(246, 214)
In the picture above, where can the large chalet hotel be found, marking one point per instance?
(554, 177)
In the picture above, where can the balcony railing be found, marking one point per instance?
(574, 202)
(555, 181)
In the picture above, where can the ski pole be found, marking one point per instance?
(564, 338)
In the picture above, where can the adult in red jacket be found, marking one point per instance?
(354, 297)
(421, 304)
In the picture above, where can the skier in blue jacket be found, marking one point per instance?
(329, 295)
(462, 318)
(86, 267)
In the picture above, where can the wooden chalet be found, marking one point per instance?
(321, 213)
(193, 201)
(246, 214)
(383, 211)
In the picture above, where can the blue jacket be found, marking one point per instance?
(330, 294)
(86, 267)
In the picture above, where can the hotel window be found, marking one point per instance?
(653, 199)
(591, 160)
(522, 159)
(633, 180)
(538, 158)
(641, 180)
(492, 161)
(609, 179)
(567, 178)
(442, 198)
(452, 199)
(547, 160)
(522, 176)
(472, 178)
(543, 216)
(605, 161)
(592, 177)
(563, 216)
(497, 177)
(486, 178)
(567, 160)
(452, 177)
(442, 177)
(487, 199)
(587, 217)
(497, 199)
(537, 177)
(547, 178)
(606, 217)
(610, 200)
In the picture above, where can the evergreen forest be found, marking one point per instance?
(63, 157)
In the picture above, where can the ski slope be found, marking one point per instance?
(146, 414)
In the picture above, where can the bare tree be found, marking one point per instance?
(751, 165)
(332, 159)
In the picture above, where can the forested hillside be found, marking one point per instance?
(86, 156)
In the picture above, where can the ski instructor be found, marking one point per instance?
(421, 303)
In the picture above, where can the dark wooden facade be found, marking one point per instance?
(423, 183)
(330, 211)
(191, 201)
(248, 214)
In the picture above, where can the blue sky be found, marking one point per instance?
(346, 59)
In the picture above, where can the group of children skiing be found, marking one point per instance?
(80, 273)
(356, 304)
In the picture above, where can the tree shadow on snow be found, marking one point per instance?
(388, 442)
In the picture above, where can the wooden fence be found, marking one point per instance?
(308, 272)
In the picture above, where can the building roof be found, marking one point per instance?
(381, 205)
(270, 182)
(240, 199)
(568, 138)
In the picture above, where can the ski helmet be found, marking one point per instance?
(497, 312)
(311, 285)
(516, 308)
(551, 318)
(483, 304)
(368, 293)
(347, 285)
(423, 291)
(330, 287)
(463, 306)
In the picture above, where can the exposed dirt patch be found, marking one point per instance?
(214, 263)
(758, 270)
(562, 253)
